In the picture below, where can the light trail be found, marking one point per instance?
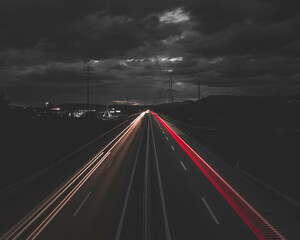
(37, 213)
(121, 222)
(16, 231)
(57, 209)
(47, 220)
(18, 185)
(254, 220)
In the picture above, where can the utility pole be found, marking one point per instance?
(127, 105)
(88, 70)
(170, 72)
(198, 90)
(169, 96)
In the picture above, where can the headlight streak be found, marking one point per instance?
(46, 221)
(18, 185)
(28, 220)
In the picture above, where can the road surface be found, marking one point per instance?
(146, 184)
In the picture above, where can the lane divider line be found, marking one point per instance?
(146, 200)
(120, 226)
(42, 209)
(57, 209)
(81, 205)
(111, 161)
(162, 198)
(172, 147)
(183, 166)
(210, 211)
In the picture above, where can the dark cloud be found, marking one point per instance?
(248, 38)
(84, 28)
(226, 45)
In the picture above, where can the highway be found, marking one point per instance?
(149, 183)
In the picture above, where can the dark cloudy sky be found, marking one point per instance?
(249, 47)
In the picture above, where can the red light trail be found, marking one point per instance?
(255, 221)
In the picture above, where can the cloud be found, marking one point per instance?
(175, 16)
(225, 45)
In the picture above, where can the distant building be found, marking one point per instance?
(112, 114)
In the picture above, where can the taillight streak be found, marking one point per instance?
(255, 221)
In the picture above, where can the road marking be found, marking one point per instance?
(163, 204)
(163, 132)
(167, 138)
(80, 206)
(110, 163)
(183, 166)
(41, 227)
(146, 206)
(172, 147)
(210, 211)
(118, 235)
(41, 209)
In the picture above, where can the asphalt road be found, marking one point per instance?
(141, 185)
